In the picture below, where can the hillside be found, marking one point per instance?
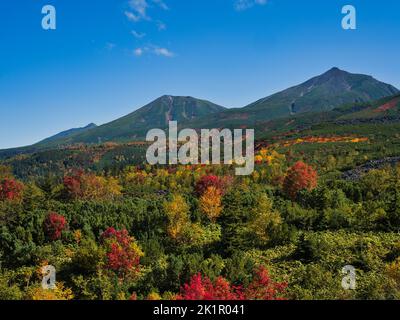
(156, 114)
(68, 133)
(323, 93)
(381, 111)
(377, 123)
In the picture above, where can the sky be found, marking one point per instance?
(107, 58)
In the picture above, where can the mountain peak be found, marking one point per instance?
(334, 73)
(68, 133)
(334, 69)
(331, 89)
(171, 97)
(90, 126)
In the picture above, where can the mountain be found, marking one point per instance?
(376, 124)
(323, 93)
(320, 94)
(332, 89)
(68, 133)
(156, 114)
(350, 117)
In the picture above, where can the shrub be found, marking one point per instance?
(299, 177)
(10, 189)
(205, 182)
(122, 252)
(261, 288)
(54, 225)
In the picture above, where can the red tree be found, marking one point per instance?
(299, 177)
(54, 225)
(261, 288)
(205, 182)
(202, 288)
(123, 255)
(73, 184)
(10, 189)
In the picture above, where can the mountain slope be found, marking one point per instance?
(68, 133)
(376, 123)
(332, 89)
(320, 94)
(385, 111)
(323, 93)
(156, 114)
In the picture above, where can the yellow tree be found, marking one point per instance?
(265, 220)
(210, 203)
(178, 219)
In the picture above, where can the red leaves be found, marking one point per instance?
(261, 288)
(10, 190)
(54, 225)
(80, 185)
(202, 288)
(123, 255)
(205, 182)
(299, 177)
(73, 184)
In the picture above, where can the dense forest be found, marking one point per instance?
(199, 232)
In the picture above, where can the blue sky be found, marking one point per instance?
(107, 58)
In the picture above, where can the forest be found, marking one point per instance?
(198, 232)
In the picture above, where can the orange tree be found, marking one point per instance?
(299, 177)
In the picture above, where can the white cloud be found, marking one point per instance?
(241, 5)
(138, 35)
(161, 4)
(151, 49)
(138, 52)
(139, 8)
(138, 11)
(163, 52)
(131, 16)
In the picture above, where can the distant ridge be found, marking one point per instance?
(67, 133)
(135, 125)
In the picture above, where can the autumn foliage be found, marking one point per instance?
(54, 225)
(177, 211)
(122, 252)
(211, 181)
(264, 288)
(261, 288)
(210, 203)
(59, 293)
(80, 185)
(299, 177)
(202, 288)
(10, 189)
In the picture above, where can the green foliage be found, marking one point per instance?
(304, 241)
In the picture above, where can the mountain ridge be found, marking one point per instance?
(155, 114)
(69, 132)
(329, 89)
(321, 93)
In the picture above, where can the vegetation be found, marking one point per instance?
(116, 228)
(199, 232)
